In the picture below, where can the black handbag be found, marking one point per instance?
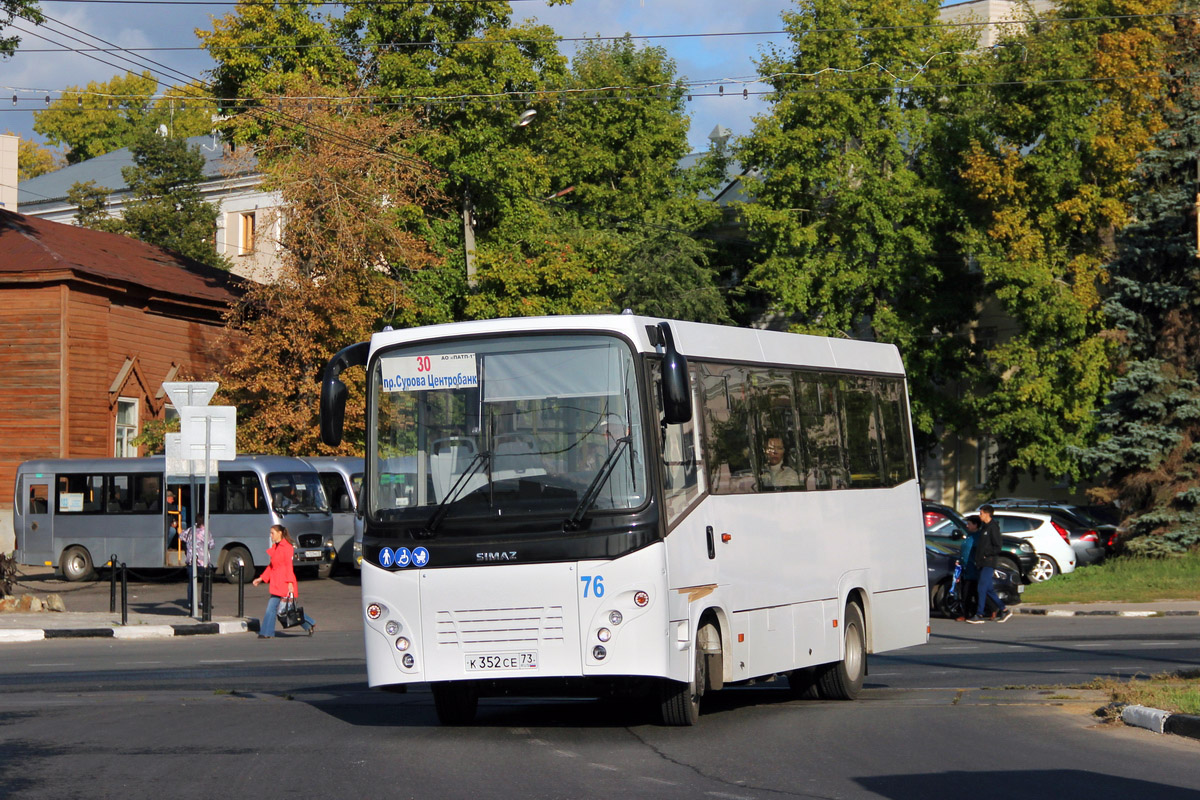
(290, 615)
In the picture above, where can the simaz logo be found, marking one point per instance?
(504, 555)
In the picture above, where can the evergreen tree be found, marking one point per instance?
(1150, 453)
(167, 208)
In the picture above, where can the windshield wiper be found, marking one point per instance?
(590, 494)
(443, 507)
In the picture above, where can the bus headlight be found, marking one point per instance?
(641, 599)
(392, 627)
(604, 634)
(615, 618)
(408, 661)
(402, 644)
(598, 652)
(375, 611)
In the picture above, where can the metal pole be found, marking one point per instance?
(124, 596)
(206, 616)
(112, 589)
(241, 569)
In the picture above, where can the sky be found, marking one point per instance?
(33, 72)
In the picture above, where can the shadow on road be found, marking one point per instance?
(1005, 785)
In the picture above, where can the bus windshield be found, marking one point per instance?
(504, 426)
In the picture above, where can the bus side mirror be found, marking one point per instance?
(677, 394)
(333, 391)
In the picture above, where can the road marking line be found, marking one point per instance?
(215, 661)
(658, 780)
(608, 767)
(566, 754)
(63, 664)
(131, 663)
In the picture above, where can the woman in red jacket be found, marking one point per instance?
(281, 581)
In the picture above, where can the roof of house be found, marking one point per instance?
(105, 170)
(33, 247)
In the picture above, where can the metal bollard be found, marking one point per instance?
(112, 589)
(206, 596)
(124, 596)
(241, 568)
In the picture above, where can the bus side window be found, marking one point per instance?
(680, 470)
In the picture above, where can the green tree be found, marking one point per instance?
(1056, 139)
(1149, 453)
(91, 207)
(104, 117)
(167, 208)
(26, 10)
(854, 215)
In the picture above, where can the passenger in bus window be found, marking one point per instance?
(777, 474)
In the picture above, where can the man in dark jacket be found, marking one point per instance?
(984, 556)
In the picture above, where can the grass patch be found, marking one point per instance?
(1123, 580)
(1177, 692)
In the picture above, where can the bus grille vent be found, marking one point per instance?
(309, 539)
(502, 626)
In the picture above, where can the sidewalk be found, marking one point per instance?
(33, 627)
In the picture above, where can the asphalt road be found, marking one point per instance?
(231, 715)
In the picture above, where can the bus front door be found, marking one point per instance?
(34, 520)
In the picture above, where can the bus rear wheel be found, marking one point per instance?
(229, 569)
(455, 702)
(76, 564)
(843, 679)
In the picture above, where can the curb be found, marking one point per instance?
(249, 625)
(1053, 612)
(1159, 721)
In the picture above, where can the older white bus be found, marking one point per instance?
(600, 503)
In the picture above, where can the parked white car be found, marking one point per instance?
(1050, 542)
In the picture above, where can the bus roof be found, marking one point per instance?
(693, 339)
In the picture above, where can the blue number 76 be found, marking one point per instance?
(596, 584)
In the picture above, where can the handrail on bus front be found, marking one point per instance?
(333, 391)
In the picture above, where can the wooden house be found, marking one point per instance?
(91, 325)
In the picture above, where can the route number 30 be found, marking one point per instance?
(595, 584)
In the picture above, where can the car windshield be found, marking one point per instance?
(505, 426)
(297, 492)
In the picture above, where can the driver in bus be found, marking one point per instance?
(777, 475)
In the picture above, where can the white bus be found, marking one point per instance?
(602, 503)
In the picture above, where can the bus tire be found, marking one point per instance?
(229, 566)
(455, 702)
(680, 702)
(76, 564)
(843, 679)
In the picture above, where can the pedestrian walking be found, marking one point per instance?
(281, 581)
(984, 556)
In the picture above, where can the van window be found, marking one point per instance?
(336, 492)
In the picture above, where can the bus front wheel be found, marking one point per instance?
(76, 564)
(680, 702)
(843, 679)
(235, 556)
(455, 702)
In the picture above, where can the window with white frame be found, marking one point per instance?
(985, 458)
(246, 233)
(127, 427)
